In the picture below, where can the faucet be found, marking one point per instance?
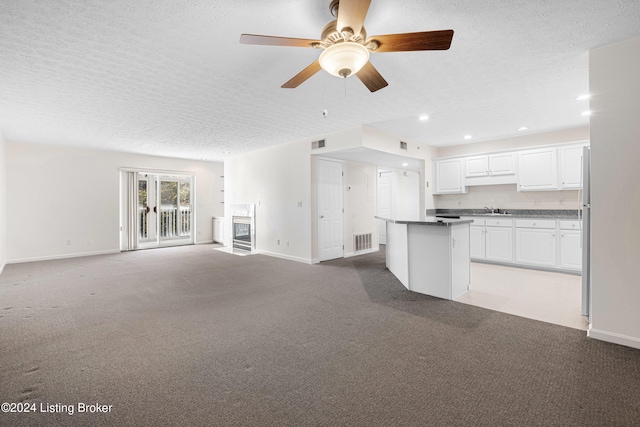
(489, 209)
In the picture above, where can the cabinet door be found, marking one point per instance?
(477, 166)
(538, 170)
(449, 176)
(571, 167)
(499, 244)
(536, 246)
(570, 250)
(502, 164)
(477, 242)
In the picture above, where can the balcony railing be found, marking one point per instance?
(174, 221)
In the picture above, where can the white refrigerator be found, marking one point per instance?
(584, 215)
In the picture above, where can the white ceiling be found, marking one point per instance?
(169, 77)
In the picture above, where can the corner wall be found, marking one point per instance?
(278, 181)
(60, 194)
(615, 200)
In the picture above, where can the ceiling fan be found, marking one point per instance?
(346, 48)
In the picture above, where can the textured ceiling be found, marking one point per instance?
(169, 77)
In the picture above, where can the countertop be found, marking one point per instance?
(513, 213)
(430, 220)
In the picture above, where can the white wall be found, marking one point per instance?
(56, 194)
(615, 165)
(506, 196)
(3, 204)
(278, 181)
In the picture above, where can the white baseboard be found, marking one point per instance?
(282, 256)
(52, 257)
(204, 242)
(2, 267)
(614, 338)
(368, 251)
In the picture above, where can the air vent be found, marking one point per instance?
(317, 144)
(403, 145)
(361, 242)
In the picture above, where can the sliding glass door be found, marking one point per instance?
(164, 212)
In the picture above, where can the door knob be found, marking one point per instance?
(321, 216)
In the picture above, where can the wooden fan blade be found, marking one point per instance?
(371, 77)
(303, 75)
(426, 40)
(277, 41)
(351, 14)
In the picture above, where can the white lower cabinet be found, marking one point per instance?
(536, 242)
(570, 245)
(477, 245)
(491, 239)
(499, 243)
(546, 243)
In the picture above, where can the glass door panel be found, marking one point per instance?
(146, 212)
(164, 210)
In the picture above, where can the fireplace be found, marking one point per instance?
(243, 227)
(242, 232)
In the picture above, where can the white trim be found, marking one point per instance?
(64, 256)
(315, 261)
(613, 337)
(282, 256)
(204, 242)
(157, 171)
(368, 251)
(2, 267)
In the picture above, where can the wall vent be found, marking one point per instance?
(362, 242)
(317, 144)
(403, 145)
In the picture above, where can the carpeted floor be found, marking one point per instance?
(195, 336)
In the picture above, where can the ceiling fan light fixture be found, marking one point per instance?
(344, 59)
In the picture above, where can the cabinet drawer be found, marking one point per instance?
(535, 223)
(476, 221)
(494, 222)
(570, 225)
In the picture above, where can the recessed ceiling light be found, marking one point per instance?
(226, 152)
(467, 137)
(424, 117)
(523, 128)
(585, 113)
(583, 97)
(405, 164)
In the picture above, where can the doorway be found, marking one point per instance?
(165, 214)
(330, 210)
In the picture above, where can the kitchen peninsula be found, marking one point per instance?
(430, 256)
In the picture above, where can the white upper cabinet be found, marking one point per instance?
(477, 166)
(538, 169)
(448, 177)
(490, 165)
(571, 167)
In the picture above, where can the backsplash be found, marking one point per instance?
(506, 197)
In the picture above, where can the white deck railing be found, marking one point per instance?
(174, 221)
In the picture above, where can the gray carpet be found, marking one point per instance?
(194, 336)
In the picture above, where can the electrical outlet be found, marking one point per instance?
(561, 202)
(300, 204)
(68, 242)
(278, 241)
(90, 243)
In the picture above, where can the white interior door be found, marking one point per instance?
(384, 204)
(330, 210)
